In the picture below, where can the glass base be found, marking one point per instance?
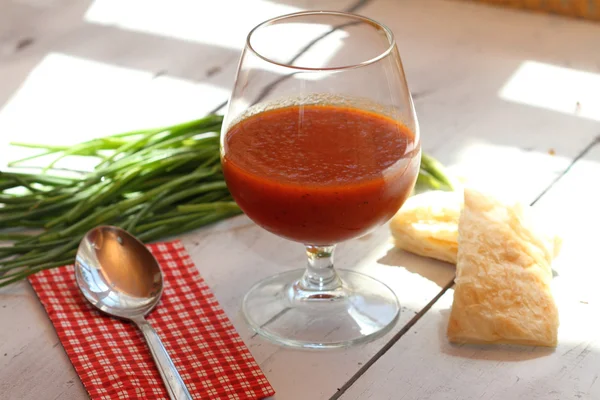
(280, 309)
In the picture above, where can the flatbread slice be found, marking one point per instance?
(427, 225)
(503, 274)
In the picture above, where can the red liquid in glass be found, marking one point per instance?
(320, 174)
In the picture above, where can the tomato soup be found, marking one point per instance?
(320, 174)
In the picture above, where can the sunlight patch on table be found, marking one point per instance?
(67, 99)
(573, 204)
(506, 171)
(566, 90)
(223, 23)
(415, 280)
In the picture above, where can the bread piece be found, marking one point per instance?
(503, 274)
(427, 225)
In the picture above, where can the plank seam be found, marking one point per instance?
(414, 320)
(390, 343)
(579, 156)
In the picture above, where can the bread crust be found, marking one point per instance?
(503, 274)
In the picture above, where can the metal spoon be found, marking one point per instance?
(120, 277)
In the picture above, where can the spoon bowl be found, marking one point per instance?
(118, 275)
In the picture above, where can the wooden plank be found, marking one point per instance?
(458, 57)
(424, 365)
(456, 62)
(63, 79)
(33, 364)
(470, 133)
(71, 71)
(485, 119)
(236, 254)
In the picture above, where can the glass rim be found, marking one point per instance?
(385, 53)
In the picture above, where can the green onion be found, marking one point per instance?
(140, 180)
(435, 171)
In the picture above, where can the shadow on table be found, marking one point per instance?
(439, 272)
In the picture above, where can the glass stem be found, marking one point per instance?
(320, 274)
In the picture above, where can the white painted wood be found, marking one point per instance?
(232, 259)
(463, 106)
(33, 364)
(72, 70)
(457, 58)
(423, 365)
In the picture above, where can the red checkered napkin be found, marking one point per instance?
(111, 356)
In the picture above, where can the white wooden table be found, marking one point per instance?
(509, 99)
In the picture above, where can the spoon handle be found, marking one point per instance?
(173, 382)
